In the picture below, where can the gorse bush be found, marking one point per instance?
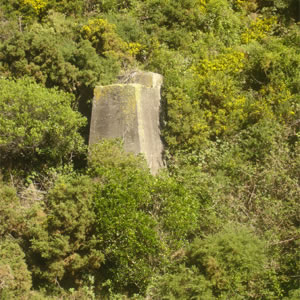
(51, 59)
(63, 245)
(10, 209)
(231, 264)
(15, 279)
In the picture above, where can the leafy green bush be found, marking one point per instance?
(183, 284)
(231, 99)
(231, 264)
(52, 59)
(125, 227)
(38, 125)
(177, 211)
(63, 245)
(99, 226)
(10, 211)
(251, 178)
(234, 261)
(109, 154)
(15, 279)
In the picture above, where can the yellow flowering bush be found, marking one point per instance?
(223, 105)
(230, 62)
(135, 48)
(214, 105)
(185, 120)
(259, 29)
(202, 6)
(36, 5)
(101, 33)
(107, 42)
(248, 5)
(279, 99)
(232, 89)
(103, 36)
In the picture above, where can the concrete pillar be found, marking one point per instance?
(130, 111)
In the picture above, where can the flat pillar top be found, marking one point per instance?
(147, 79)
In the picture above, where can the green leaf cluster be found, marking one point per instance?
(38, 125)
(230, 264)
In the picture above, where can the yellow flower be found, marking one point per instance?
(258, 29)
(37, 5)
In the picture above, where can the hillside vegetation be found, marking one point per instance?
(221, 221)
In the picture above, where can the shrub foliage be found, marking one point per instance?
(221, 221)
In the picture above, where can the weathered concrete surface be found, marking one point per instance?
(130, 111)
(148, 79)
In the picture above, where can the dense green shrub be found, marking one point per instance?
(235, 263)
(15, 279)
(177, 211)
(63, 245)
(53, 59)
(125, 227)
(231, 101)
(109, 154)
(253, 179)
(38, 125)
(98, 225)
(183, 284)
(231, 264)
(10, 211)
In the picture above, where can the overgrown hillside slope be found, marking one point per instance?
(221, 221)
